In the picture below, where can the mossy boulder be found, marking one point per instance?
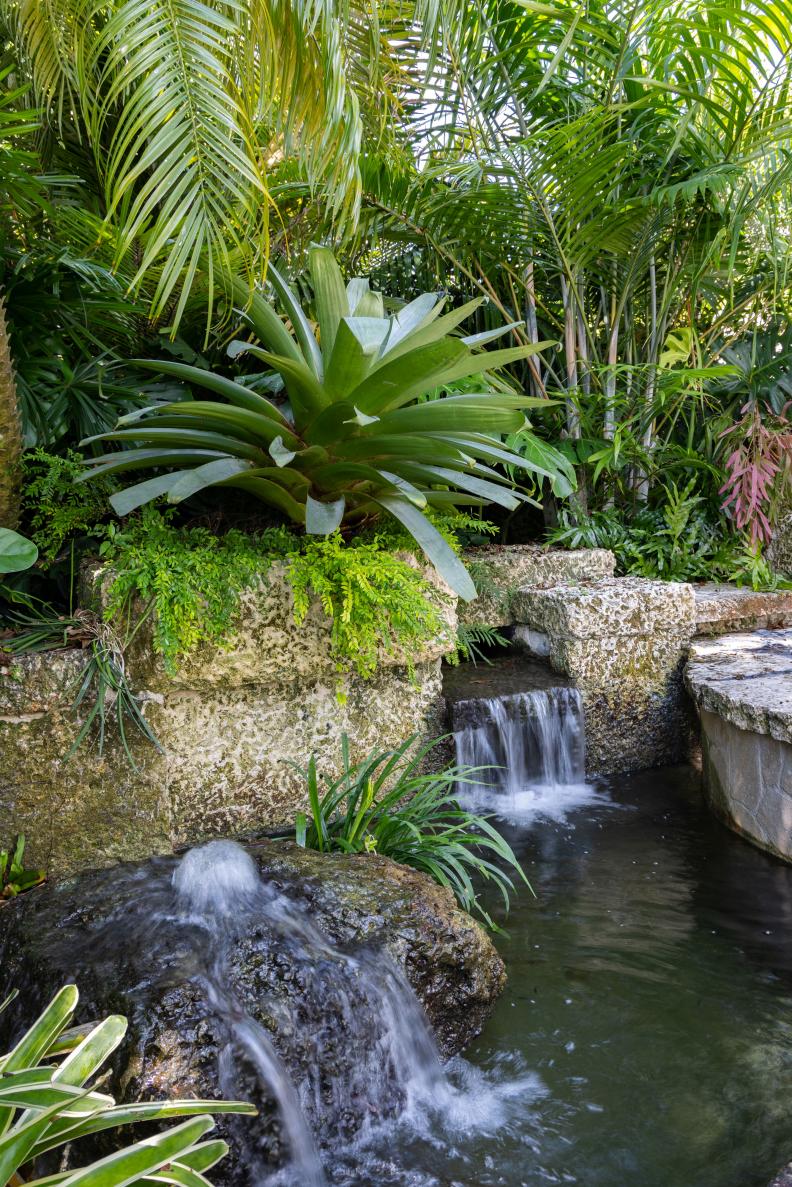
(108, 932)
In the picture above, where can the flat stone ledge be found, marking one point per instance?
(725, 609)
(611, 608)
(746, 679)
(501, 570)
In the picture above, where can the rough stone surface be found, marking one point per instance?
(269, 649)
(500, 571)
(616, 607)
(724, 609)
(780, 552)
(742, 685)
(746, 679)
(89, 931)
(783, 1178)
(224, 770)
(623, 641)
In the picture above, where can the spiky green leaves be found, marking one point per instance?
(357, 443)
(45, 1103)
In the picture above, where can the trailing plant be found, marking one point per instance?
(56, 508)
(386, 804)
(187, 581)
(14, 877)
(48, 1105)
(377, 601)
(352, 443)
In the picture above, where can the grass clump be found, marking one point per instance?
(388, 804)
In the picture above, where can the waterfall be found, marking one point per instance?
(360, 999)
(530, 737)
(534, 746)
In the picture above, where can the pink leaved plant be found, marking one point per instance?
(759, 464)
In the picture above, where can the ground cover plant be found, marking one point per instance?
(388, 803)
(48, 1104)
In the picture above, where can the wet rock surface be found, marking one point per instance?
(113, 933)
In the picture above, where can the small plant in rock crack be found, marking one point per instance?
(14, 878)
(388, 804)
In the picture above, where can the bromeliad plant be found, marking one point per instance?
(46, 1105)
(386, 804)
(353, 441)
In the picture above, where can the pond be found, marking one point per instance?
(645, 1035)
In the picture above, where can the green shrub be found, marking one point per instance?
(57, 509)
(679, 540)
(46, 1106)
(386, 804)
(355, 441)
(189, 580)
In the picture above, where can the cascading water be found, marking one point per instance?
(529, 748)
(528, 737)
(372, 1062)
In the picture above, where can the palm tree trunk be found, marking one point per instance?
(10, 433)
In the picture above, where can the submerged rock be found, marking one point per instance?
(303, 967)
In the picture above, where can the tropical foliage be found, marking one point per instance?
(388, 804)
(355, 439)
(48, 1104)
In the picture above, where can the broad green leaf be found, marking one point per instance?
(38, 1039)
(88, 1056)
(236, 393)
(329, 294)
(269, 328)
(280, 454)
(16, 552)
(436, 548)
(357, 341)
(308, 397)
(204, 476)
(143, 1158)
(400, 380)
(302, 327)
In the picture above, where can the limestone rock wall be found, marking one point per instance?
(623, 641)
(231, 722)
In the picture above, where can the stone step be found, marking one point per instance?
(724, 609)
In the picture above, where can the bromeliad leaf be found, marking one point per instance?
(372, 428)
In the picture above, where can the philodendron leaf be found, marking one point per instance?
(16, 552)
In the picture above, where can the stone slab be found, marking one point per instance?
(748, 780)
(615, 607)
(725, 609)
(500, 570)
(746, 679)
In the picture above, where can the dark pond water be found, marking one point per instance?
(645, 1037)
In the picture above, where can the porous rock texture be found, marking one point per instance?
(623, 641)
(742, 686)
(232, 722)
(101, 931)
(783, 1178)
(500, 571)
